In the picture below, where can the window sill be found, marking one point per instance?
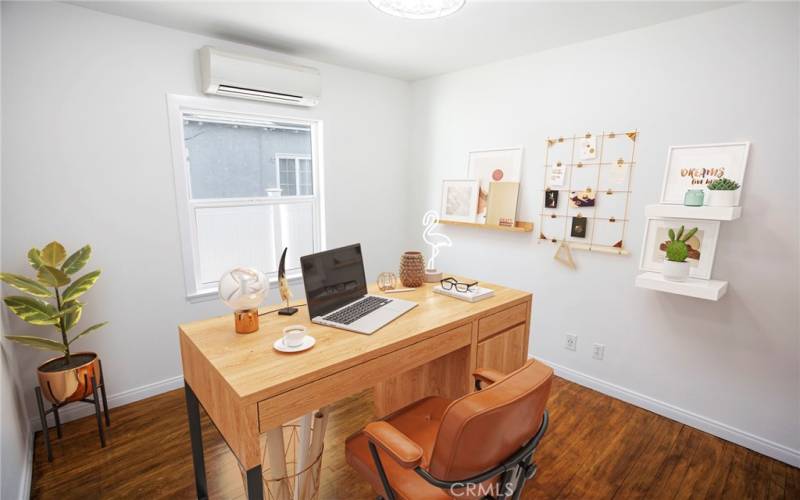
(208, 295)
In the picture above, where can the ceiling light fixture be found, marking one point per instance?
(418, 9)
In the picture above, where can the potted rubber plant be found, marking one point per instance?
(723, 193)
(51, 300)
(675, 266)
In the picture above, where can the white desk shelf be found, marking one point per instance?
(693, 287)
(683, 212)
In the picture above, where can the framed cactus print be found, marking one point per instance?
(702, 245)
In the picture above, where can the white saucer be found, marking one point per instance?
(308, 343)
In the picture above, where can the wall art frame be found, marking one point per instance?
(655, 235)
(493, 165)
(694, 166)
(459, 200)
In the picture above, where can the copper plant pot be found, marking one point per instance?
(69, 384)
(412, 269)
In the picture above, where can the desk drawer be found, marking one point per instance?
(502, 320)
(504, 352)
(301, 400)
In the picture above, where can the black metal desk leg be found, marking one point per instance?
(255, 484)
(196, 434)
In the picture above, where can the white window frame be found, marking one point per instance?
(296, 158)
(177, 107)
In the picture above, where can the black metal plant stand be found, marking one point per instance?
(96, 389)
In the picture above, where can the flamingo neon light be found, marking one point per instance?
(436, 240)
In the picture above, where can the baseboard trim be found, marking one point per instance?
(76, 411)
(705, 424)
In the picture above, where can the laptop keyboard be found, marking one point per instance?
(357, 310)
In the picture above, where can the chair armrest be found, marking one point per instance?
(386, 437)
(487, 375)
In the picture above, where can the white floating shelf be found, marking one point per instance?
(693, 287)
(683, 212)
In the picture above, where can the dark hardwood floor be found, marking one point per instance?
(596, 447)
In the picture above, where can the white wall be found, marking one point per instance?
(15, 429)
(731, 74)
(86, 159)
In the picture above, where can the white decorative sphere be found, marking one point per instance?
(243, 288)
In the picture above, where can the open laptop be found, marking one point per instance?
(336, 292)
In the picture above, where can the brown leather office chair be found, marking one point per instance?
(478, 446)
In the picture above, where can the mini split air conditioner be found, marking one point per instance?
(234, 75)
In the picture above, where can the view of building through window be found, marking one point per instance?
(236, 160)
(295, 175)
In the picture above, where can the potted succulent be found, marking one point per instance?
(51, 299)
(723, 193)
(675, 266)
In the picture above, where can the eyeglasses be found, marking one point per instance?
(450, 283)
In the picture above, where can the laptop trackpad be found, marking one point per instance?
(376, 318)
(380, 317)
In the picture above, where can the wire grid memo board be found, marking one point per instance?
(587, 186)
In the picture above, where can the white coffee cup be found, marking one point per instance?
(293, 335)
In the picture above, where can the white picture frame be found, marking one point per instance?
(459, 200)
(655, 234)
(493, 165)
(692, 167)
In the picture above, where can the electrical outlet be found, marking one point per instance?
(598, 351)
(571, 342)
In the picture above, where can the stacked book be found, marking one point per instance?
(474, 294)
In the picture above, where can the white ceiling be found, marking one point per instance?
(354, 34)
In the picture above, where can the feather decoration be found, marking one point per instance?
(283, 283)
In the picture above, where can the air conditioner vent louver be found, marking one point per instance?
(256, 94)
(244, 77)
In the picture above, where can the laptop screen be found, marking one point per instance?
(333, 278)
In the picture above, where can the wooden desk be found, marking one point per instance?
(247, 387)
